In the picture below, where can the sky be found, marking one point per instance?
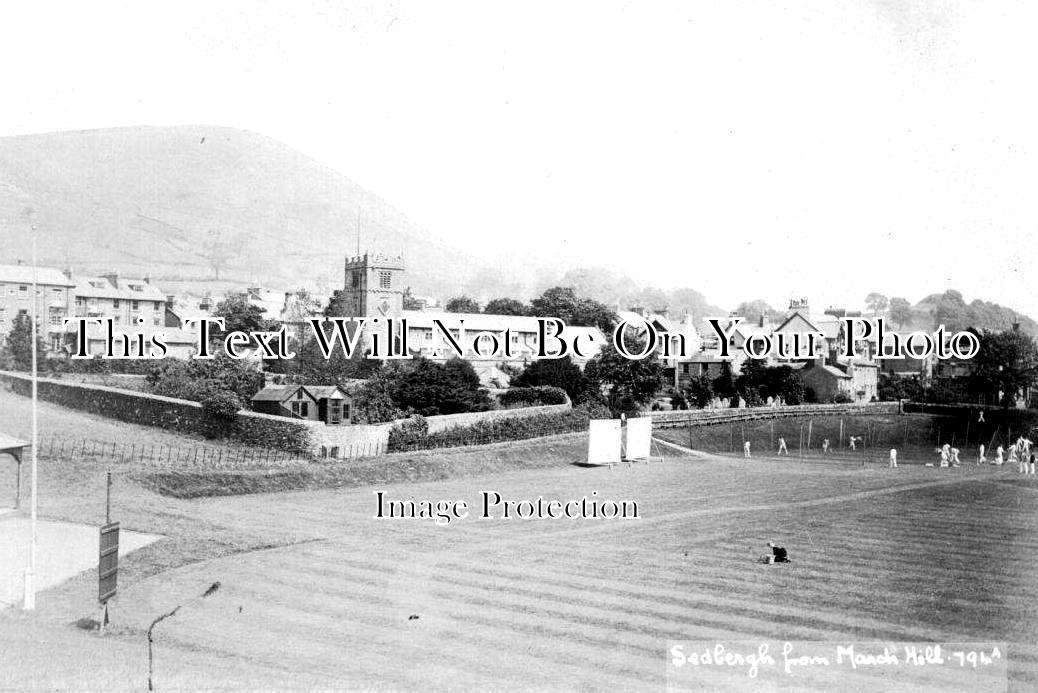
(745, 149)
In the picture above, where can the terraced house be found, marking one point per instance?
(122, 299)
(53, 300)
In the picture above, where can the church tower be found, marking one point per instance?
(373, 286)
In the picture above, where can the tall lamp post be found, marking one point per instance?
(29, 602)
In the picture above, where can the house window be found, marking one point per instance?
(23, 291)
(300, 409)
(334, 412)
(135, 305)
(115, 303)
(385, 280)
(155, 304)
(346, 412)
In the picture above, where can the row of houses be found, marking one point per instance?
(130, 302)
(373, 287)
(828, 373)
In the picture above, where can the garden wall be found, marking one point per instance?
(179, 415)
(252, 428)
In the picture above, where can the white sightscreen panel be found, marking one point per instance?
(603, 443)
(639, 437)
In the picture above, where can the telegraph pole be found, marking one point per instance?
(29, 602)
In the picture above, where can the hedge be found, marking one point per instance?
(533, 396)
(411, 434)
(168, 413)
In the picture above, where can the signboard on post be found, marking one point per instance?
(108, 562)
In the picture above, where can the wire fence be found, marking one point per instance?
(863, 438)
(201, 456)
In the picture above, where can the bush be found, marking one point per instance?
(405, 436)
(196, 380)
(842, 398)
(220, 409)
(533, 396)
(561, 373)
(429, 388)
(221, 405)
(408, 434)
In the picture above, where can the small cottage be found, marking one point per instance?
(327, 403)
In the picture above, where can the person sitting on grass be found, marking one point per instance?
(778, 554)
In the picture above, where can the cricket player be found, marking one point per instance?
(746, 448)
(893, 458)
(782, 446)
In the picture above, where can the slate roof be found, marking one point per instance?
(22, 274)
(102, 287)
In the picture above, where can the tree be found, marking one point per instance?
(462, 304)
(876, 302)
(752, 375)
(338, 306)
(19, 343)
(506, 306)
(724, 384)
(198, 380)
(310, 367)
(787, 385)
(410, 302)
(562, 302)
(752, 311)
(900, 311)
(1005, 366)
(429, 388)
(561, 373)
(373, 401)
(632, 383)
(894, 387)
(241, 315)
(951, 311)
(757, 382)
(699, 390)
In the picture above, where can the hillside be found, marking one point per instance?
(951, 310)
(200, 203)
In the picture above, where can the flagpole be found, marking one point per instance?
(30, 571)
